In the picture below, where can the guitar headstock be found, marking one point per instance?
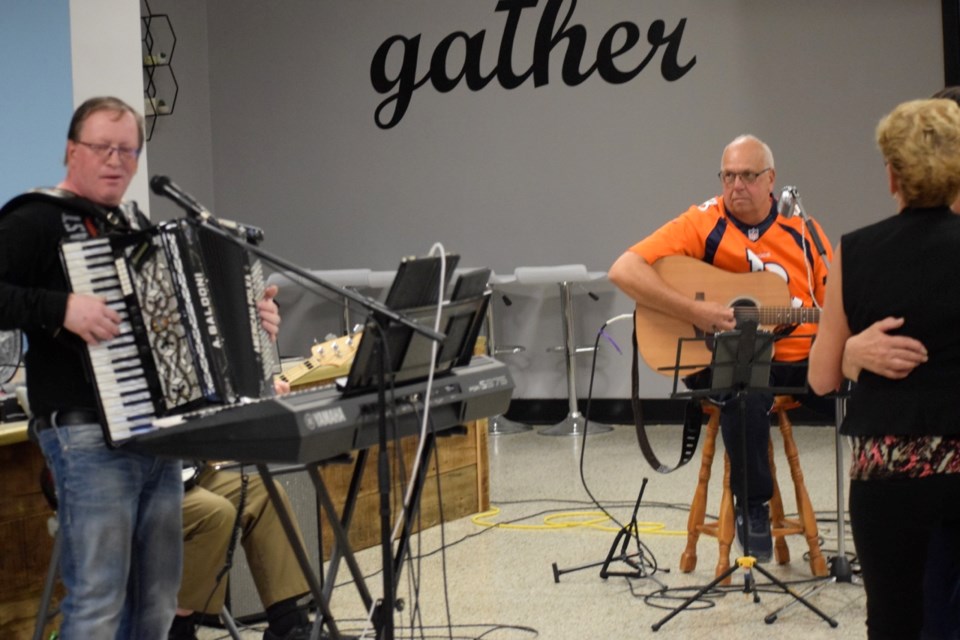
(328, 360)
(337, 351)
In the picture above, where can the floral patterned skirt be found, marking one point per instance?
(903, 456)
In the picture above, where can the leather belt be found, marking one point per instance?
(67, 418)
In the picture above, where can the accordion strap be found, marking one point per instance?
(111, 219)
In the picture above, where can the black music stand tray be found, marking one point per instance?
(741, 364)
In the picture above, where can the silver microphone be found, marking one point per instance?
(789, 203)
(163, 186)
(789, 206)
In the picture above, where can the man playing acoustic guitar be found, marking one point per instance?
(739, 232)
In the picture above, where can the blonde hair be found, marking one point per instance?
(920, 141)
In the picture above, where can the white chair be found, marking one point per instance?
(305, 306)
(564, 276)
(500, 425)
(381, 280)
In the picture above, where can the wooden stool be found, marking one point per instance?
(723, 528)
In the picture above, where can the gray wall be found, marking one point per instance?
(275, 126)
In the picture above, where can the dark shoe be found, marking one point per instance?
(183, 628)
(761, 542)
(300, 632)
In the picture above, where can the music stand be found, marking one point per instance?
(741, 364)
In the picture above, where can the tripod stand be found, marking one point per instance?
(840, 569)
(639, 565)
(741, 364)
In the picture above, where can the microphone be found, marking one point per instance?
(164, 186)
(789, 203)
(789, 206)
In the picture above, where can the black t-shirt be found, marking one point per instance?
(33, 297)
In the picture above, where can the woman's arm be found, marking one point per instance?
(875, 350)
(825, 373)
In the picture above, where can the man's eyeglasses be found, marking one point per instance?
(104, 151)
(747, 177)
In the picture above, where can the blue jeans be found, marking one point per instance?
(120, 527)
(756, 429)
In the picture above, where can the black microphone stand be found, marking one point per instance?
(751, 354)
(383, 316)
(797, 206)
(815, 236)
(640, 566)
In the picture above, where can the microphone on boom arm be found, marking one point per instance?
(163, 186)
(789, 205)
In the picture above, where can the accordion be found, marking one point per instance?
(190, 336)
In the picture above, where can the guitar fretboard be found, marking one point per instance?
(778, 315)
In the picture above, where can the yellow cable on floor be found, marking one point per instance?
(572, 520)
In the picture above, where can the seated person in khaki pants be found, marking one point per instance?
(209, 514)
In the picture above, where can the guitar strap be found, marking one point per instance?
(693, 421)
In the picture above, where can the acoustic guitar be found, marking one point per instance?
(762, 296)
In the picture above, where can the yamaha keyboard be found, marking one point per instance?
(318, 424)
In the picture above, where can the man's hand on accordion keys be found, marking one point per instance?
(269, 312)
(90, 318)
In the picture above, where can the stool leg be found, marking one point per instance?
(781, 552)
(43, 613)
(500, 425)
(574, 422)
(345, 326)
(726, 523)
(818, 565)
(698, 507)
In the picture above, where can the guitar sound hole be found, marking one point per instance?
(741, 310)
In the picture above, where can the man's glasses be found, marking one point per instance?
(747, 177)
(104, 151)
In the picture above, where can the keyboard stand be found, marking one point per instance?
(321, 587)
(301, 554)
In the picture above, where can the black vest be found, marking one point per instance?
(907, 266)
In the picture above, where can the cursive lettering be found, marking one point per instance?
(400, 86)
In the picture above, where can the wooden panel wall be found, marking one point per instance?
(25, 542)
